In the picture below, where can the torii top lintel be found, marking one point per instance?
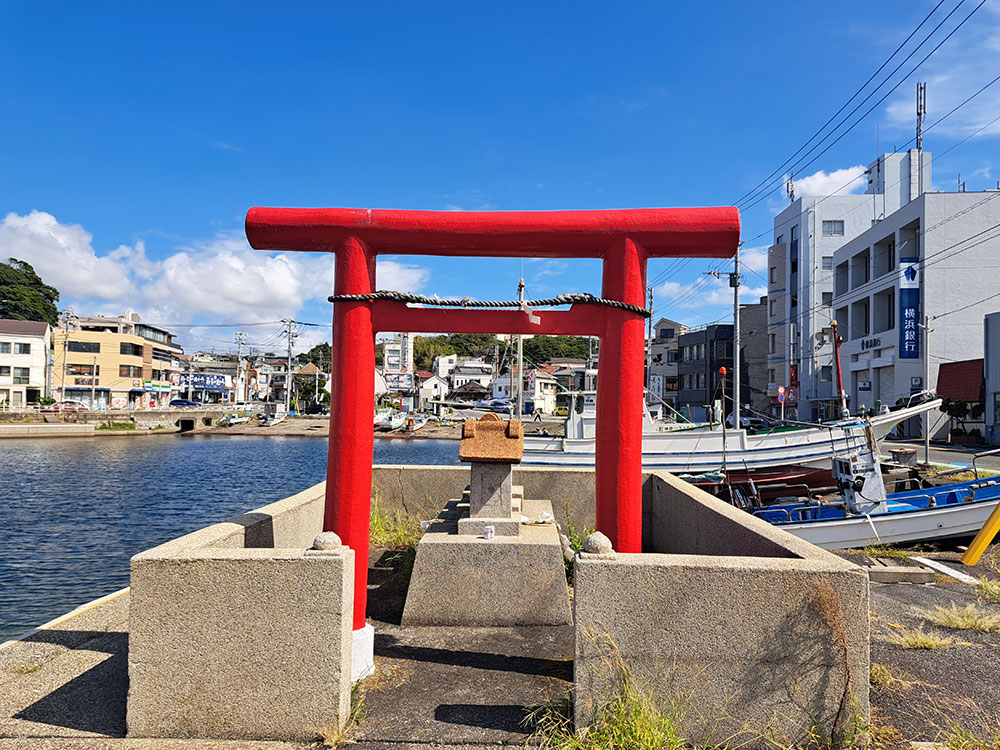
(660, 232)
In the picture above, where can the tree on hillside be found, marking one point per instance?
(427, 348)
(319, 355)
(23, 294)
(540, 349)
(472, 344)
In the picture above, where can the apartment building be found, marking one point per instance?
(663, 356)
(800, 278)
(114, 363)
(24, 362)
(702, 353)
(935, 258)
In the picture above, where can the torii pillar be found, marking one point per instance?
(624, 240)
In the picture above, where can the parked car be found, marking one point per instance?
(66, 406)
(183, 402)
(561, 411)
(501, 405)
(316, 408)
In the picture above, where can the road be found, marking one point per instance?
(942, 454)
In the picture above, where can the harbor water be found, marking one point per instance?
(73, 511)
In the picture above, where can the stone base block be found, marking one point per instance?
(501, 526)
(504, 581)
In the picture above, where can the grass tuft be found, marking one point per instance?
(919, 638)
(965, 618)
(883, 678)
(988, 589)
(629, 720)
(392, 531)
(116, 426)
(955, 736)
(331, 736)
(27, 668)
(885, 550)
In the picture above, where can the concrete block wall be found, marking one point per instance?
(748, 630)
(239, 631)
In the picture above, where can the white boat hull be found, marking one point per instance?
(965, 519)
(702, 449)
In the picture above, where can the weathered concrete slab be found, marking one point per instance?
(893, 570)
(508, 580)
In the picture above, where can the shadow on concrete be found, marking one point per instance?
(503, 718)
(90, 640)
(258, 530)
(387, 646)
(93, 701)
(388, 582)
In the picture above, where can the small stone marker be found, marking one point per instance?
(598, 545)
(328, 540)
(492, 446)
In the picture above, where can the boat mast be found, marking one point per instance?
(520, 356)
(840, 380)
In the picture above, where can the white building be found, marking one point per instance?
(24, 362)
(800, 278)
(444, 364)
(471, 370)
(936, 257)
(991, 373)
(663, 356)
(433, 389)
(540, 390)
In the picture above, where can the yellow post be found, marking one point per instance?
(983, 538)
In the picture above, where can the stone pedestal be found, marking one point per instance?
(462, 579)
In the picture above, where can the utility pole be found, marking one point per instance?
(926, 385)
(241, 339)
(649, 342)
(734, 282)
(520, 356)
(67, 314)
(290, 333)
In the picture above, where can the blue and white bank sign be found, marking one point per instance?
(909, 308)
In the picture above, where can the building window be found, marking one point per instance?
(827, 262)
(772, 275)
(22, 348)
(4, 371)
(87, 347)
(770, 375)
(129, 371)
(130, 350)
(161, 354)
(826, 373)
(773, 309)
(72, 369)
(833, 228)
(22, 375)
(828, 299)
(4, 347)
(667, 333)
(770, 343)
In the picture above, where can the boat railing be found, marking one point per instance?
(982, 455)
(760, 511)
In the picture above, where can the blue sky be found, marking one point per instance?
(137, 135)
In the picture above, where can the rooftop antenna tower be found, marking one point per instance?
(921, 111)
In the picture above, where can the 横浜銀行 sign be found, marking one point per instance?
(909, 308)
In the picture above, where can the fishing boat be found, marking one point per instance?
(272, 419)
(381, 415)
(232, 419)
(865, 514)
(681, 448)
(415, 422)
(392, 421)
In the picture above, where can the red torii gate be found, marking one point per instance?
(623, 240)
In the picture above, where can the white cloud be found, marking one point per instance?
(63, 256)
(955, 72)
(754, 258)
(845, 181)
(220, 278)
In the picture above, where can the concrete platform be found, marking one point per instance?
(465, 580)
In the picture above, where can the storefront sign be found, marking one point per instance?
(397, 381)
(909, 308)
(870, 343)
(206, 381)
(864, 385)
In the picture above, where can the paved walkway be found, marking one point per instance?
(461, 688)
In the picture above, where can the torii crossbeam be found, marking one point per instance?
(624, 240)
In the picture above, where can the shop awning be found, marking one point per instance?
(962, 381)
